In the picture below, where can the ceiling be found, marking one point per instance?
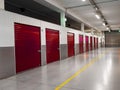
(109, 8)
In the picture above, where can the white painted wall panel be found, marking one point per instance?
(6, 29)
(63, 35)
(2, 4)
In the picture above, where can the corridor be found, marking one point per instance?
(93, 70)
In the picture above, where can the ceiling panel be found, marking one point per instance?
(104, 1)
(71, 3)
(111, 11)
(88, 14)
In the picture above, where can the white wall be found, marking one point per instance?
(6, 29)
(2, 4)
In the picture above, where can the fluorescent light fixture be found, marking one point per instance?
(96, 8)
(97, 16)
(103, 24)
(83, 0)
(107, 28)
(65, 19)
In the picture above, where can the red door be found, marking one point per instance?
(27, 47)
(87, 43)
(81, 44)
(70, 39)
(91, 43)
(94, 43)
(52, 45)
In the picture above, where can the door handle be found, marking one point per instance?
(58, 48)
(39, 51)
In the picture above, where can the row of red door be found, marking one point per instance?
(28, 46)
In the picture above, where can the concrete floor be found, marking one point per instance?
(104, 74)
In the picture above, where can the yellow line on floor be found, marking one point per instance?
(78, 72)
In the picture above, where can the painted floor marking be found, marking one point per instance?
(79, 72)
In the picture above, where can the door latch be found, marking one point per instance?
(39, 51)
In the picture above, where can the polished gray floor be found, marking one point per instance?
(102, 75)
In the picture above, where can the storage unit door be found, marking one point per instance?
(27, 47)
(70, 39)
(97, 43)
(87, 43)
(81, 50)
(94, 43)
(52, 45)
(91, 43)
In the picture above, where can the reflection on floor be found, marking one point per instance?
(102, 75)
